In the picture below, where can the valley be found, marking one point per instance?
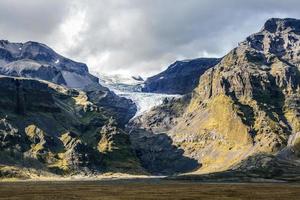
(235, 118)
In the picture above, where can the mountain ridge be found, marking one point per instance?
(37, 60)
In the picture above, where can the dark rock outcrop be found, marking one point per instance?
(119, 108)
(179, 78)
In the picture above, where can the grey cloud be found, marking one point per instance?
(142, 36)
(31, 19)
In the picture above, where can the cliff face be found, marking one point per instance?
(51, 129)
(179, 78)
(247, 104)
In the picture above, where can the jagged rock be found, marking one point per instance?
(10, 137)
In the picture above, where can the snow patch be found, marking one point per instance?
(21, 65)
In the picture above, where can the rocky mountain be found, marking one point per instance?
(49, 130)
(36, 60)
(56, 119)
(179, 78)
(244, 113)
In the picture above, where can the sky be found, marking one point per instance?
(138, 37)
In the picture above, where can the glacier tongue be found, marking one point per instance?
(145, 101)
(122, 86)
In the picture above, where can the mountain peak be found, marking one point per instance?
(280, 24)
(37, 60)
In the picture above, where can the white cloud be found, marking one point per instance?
(71, 29)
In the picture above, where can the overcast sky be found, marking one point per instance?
(138, 36)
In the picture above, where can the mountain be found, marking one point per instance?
(244, 115)
(240, 123)
(179, 78)
(50, 130)
(36, 60)
(56, 119)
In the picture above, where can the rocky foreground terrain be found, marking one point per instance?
(240, 121)
(46, 128)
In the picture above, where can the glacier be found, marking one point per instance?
(130, 88)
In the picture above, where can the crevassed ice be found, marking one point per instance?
(145, 101)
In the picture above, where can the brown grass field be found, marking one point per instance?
(146, 189)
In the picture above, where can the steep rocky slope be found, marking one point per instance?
(179, 78)
(47, 129)
(245, 106)
(152, 144)
(122, 109)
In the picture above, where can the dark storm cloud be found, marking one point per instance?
(139, 36)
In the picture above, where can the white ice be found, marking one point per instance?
(143, 101)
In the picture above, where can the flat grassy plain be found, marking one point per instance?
(146, 189)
